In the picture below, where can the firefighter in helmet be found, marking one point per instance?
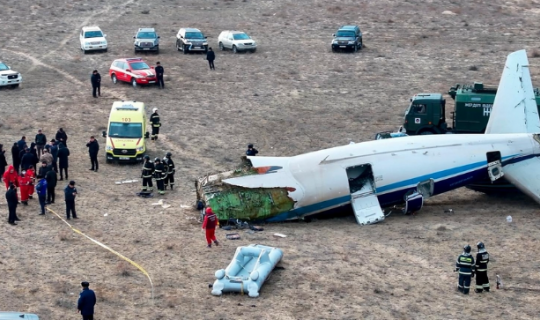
(159, 175)
(147, 173)
(465, 267)
(482, 260)
(169, 163)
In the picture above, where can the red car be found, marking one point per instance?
(132, 70)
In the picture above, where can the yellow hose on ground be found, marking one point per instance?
(136, 265)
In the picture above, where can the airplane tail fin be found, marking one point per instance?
(514, 109)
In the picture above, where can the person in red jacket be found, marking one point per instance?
(32, 175)
(24, 186)
(11, 176)
(209, 223)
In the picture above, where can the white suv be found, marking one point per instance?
(236, 41)
(191, 39)
(9, 77)
(92, 38)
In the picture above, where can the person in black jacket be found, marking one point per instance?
(61, 136)
(15, 159)
(53, 149)
(52, 178)
(12, 202)
(43, 169)
(21, 154)
(93, 149)
(27, 160)
(63, 154)
(70, 192)
(22, 143)
(211, 56)
(41, 141)
(96, 83)
(251, 151)
(33, 151)
(159, 74)
(3, 162)
(86, 302)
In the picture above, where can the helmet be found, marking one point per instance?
(467, 249)
(146, 157)
(157, 159)
(480, 245)
(154, 110)
(250, 145)
(168, 154)
(209, 210)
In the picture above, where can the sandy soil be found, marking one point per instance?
(290, 97)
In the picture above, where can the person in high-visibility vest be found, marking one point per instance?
(465, 266)
(156, 124)
(482, 260)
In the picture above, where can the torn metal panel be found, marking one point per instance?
(232, 202)
(248, 193)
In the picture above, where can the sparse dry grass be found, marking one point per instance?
(292, 96)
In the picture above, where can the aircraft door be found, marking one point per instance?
(494, 166)
(365, 203)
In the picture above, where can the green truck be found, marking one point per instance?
(427, 112)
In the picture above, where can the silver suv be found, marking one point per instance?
(9, 77)
(191, 39)
(146, 39)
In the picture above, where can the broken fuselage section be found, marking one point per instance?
(233, 201)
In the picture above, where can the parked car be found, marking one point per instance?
(347, 37)
(236, 41)
(9, 77)
(146, 39)
(92, 39)
(132, 70)
(191, 39)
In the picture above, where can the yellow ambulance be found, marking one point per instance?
(126, 135)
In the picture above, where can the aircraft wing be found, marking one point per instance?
(514, 109)
(525, 175)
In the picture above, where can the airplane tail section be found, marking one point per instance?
(514, 109)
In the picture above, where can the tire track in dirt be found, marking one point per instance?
(39, 62)
(85, 22)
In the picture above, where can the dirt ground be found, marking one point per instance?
(293, 96)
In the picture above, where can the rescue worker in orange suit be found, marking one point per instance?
(24, 186)
(156, 124)
(32, 175)
(210, 223)
(11, 176)
(159, 175)
(482, 260)
(465, 266)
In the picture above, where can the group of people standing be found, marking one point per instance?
(24, 177)
(161, 170)
(467, 268)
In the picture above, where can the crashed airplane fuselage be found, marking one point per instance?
(375, 174)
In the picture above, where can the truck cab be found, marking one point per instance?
(126, 136)
(425, 114)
